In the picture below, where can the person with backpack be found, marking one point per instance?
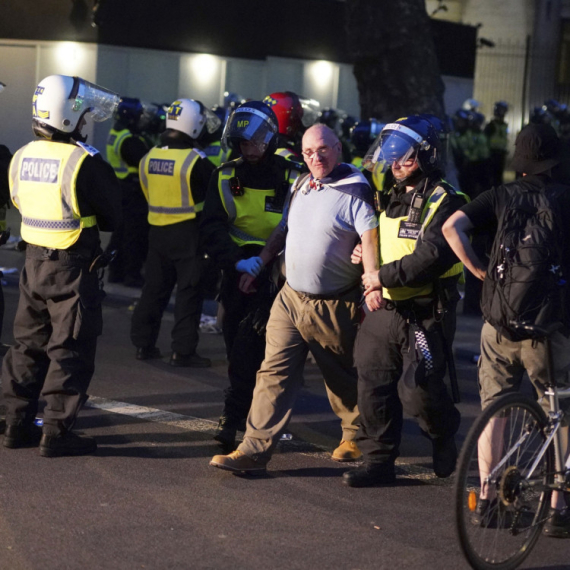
(524, 282)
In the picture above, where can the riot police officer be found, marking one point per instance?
(243, 206)
(65, 193)
(497, 133)
(362, 135)
(5, 157)
(125, 147)
(400, 351)
(287, 108)
(174, 178)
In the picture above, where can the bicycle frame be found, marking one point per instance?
(555, 417)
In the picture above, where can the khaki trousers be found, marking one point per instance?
(299, 324)
(503, 363)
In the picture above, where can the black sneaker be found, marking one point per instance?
(558, 523)
(370, 475)
(189, 360)
(66, 443)
(147, 353)
(18, 436)
(444, 456)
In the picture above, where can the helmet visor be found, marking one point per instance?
(98, 102)
(249, 124)
(311, 111)
(396, 143)
(213, 122)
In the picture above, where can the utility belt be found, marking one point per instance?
(326, 296)
(414, 310)
(93, 261)
(50, 254)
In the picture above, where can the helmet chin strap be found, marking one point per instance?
(78, 137)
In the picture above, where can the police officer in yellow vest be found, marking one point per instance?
(5, 157)
(212, 143)
(66, 193)
(125, 147)
(244, 205)
(362, 135)
(174, 178)
(400, 348)
(289, 112)
(497, 133)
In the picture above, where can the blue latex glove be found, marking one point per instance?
(251, 266)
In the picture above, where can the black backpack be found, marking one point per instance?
(525, 284)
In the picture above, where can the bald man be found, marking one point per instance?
(317, 309)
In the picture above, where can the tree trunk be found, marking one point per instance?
(395, 62)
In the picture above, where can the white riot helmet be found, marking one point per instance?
(191, 118)
(61, 101)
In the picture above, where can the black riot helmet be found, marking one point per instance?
(251, 121)
(500, 109)
(363, 134)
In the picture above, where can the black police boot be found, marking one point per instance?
(66, 443)
(147, 353)
(22, 435)
(226, 432)
(370, 475)
(189, 361)
(444, 456)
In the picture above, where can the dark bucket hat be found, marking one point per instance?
(537, 149)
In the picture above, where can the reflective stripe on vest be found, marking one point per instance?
(287, 154)
(165, 180)
(395, 247)
(250, 223)
(121, 168)
(43, 175)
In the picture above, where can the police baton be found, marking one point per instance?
(452, 372)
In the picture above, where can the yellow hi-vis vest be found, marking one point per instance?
(251, 217)
(499, 138)
(287, 154)
(43, 175)
(165, 181)
(393, 248)
(216, 154)
(114, 143)
(377, 174)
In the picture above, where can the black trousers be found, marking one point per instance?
(243, 326)
(401, 366)
(497, 161)
(173, 259)
(130, 240)
(56, 326)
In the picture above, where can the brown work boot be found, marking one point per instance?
(239, 463)
(347, 451)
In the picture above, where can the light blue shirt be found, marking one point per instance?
(324, 225)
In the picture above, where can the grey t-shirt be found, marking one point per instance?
(324, 225)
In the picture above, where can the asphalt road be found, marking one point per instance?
(148, 498)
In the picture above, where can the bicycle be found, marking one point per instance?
(513, 453)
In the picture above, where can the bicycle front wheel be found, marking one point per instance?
(501, 498)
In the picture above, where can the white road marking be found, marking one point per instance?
(190, 423)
